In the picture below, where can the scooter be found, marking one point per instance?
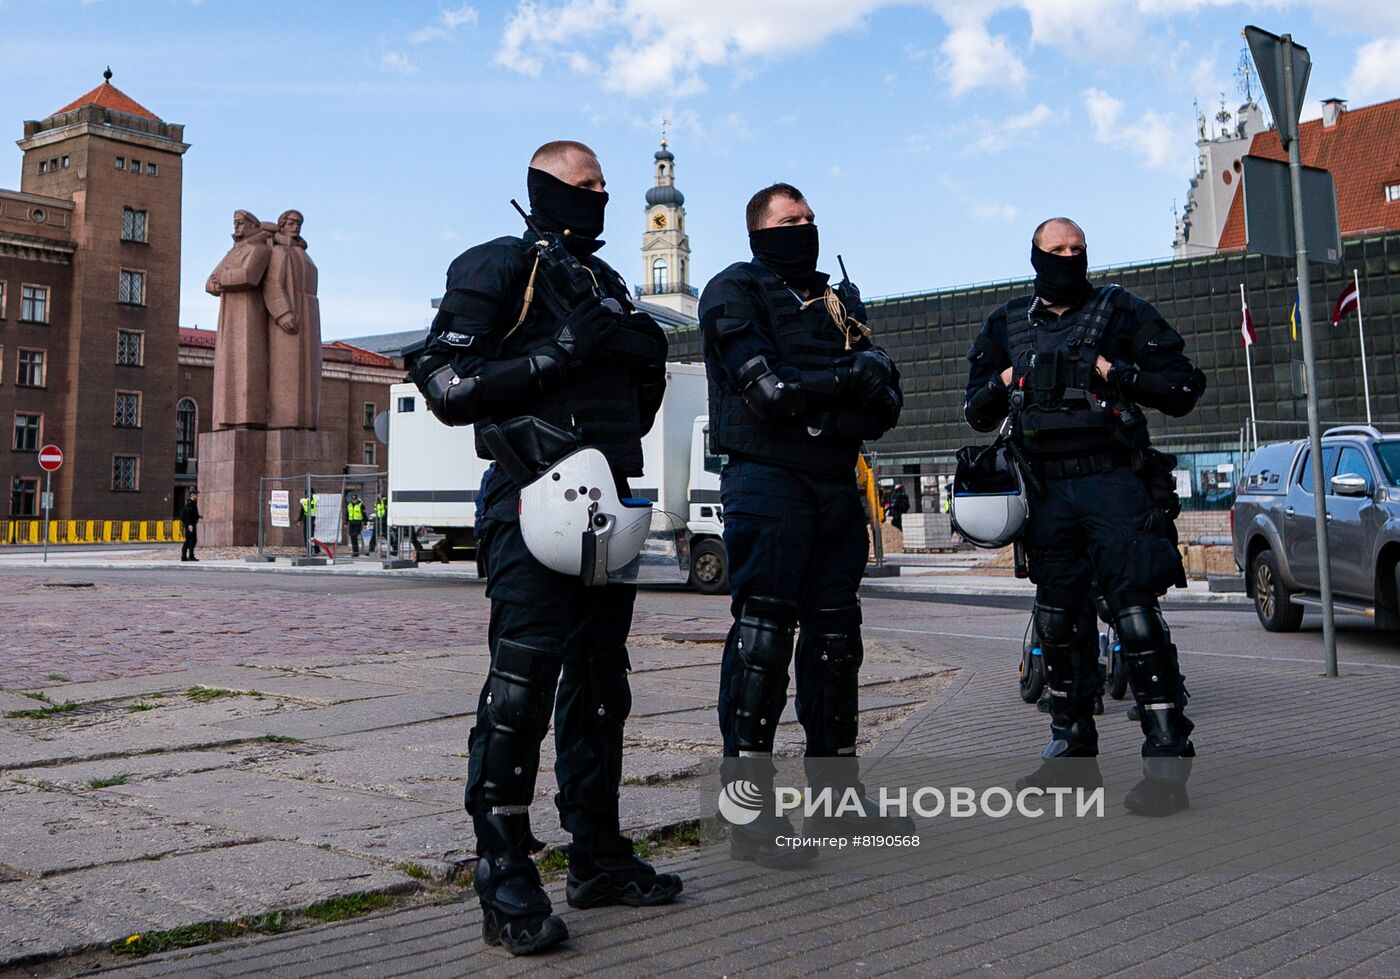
(1111, 666)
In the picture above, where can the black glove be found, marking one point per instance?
(585, 330)
(868, 376)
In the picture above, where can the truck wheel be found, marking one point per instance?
(1271, 596)
(709, 568)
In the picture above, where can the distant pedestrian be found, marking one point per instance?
(189, 519)
(355, 517)
(899, 505)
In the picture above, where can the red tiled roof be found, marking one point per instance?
(109, 96)
(361, 356)
(195, 337)
(1363, 153)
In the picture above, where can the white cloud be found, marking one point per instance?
(998, 135)
(664, 46)
(996, 212)
(446, 25)
(397, 61)
(1150, 136)
(974, 57)
(1374, 73)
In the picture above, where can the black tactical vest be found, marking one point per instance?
(599, 402)
(1066, 409)
(806, 339)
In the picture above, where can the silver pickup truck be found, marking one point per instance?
(1273, 523)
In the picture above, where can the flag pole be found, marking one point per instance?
(1361, 331)
(1249, 375)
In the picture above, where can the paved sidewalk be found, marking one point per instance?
(1169, 918)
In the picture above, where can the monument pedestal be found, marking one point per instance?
(231, 461)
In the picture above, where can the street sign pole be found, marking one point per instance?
(48, 504)
(1288, 128)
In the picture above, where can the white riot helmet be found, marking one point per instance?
(990, 508)
(575, 522)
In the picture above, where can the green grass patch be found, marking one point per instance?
(279, 739)
(142, 705)
(202, 694)
(40, 713)
(554, 863)
(109, 781)
(415, 870)
(37, 695)
(350, 906)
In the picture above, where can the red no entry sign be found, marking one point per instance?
(50, 458)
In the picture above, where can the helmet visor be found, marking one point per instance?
(664, 558)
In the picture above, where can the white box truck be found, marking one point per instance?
(434, 474)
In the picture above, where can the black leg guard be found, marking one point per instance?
(1151, 660)
(505, 744)
(589, 766)
(759, 687)
(838, 653)
(1063, 632)
(515, 911)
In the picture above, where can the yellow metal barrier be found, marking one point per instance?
(30, 531)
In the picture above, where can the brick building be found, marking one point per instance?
(354, 388)
(89, 308)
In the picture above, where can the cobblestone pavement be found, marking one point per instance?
(1253, 694)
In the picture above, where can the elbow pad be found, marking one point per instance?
(450, 398)
(768, 396)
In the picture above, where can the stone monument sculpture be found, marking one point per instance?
(294, 336)
(240, 356)
(267, 383)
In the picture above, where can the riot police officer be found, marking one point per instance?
(795, 385)
(542, 373)
(1076, 364)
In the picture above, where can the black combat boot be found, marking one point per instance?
(851, 812)
(1071, 756)
(515, 911)
(604, 870)
(1166, 763)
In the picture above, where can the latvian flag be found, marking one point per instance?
(1346, 302)
(1247, 325)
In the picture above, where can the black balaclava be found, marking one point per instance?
(559, 207)
(1061, 280)
(789, 249)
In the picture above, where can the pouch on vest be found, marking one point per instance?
(525, 446)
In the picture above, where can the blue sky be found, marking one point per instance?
(929, 137)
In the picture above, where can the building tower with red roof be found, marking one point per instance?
(96, 300)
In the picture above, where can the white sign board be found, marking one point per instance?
(1183, 483)
(328, 517)
(280, 507)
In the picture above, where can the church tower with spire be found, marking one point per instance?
(665, 245)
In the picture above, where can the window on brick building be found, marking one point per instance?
(150, 169)
(135, 166)
(130, 347)
(43, 166)
(24, 497)
(369, 414)
(186, 426)
(132, 288)
(28, 430)
(128, 411)
(29, 372)
(2, 300)
(53, 164)
(1392, 193)
(367, 453)
(133, 224)
(121, 163)
(34, 304)
(64, 164)
(126, 473)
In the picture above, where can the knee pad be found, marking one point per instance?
(519, 701)
(1141, 628)
(1056, 626)
(759, 686)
